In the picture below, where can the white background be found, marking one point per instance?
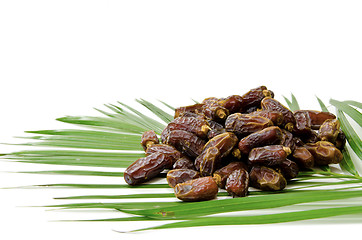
(65, 57)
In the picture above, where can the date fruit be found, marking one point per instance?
(245, 124)
(186, 142)
(184, 163)
(267, 136)
(267, 179)
(146, 168)
(169, 151)
(199, 189)
(274, 105)
(268, 155)
(222, 174)
(149, 138)
(329, 130)
(176, 176)
(324, 153)
(237, 183)
(303, 158)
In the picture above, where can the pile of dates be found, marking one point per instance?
(236, 142)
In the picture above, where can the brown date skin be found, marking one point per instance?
(149, 138)
(169, 151)
(186, 142)
(341, 140)
(303, 123)
(288, 168)
(214, 150)
(324, 153)
(213, 111)
(222, 174)
(266, 179)
(329, 130)
(268, 155)
(183, 163)
(195, 108)
(208, 161)
(146, 168)
(232, 103)
(237, 183)
(225, 142)
(303, 158)
(245, 124)
(215, 129)
(254, 97)
(176, 176)
(267, 136)
(274, 105)
(199, 189)
(199, 127)
(288, 140)
(274, 116)
(317, 117)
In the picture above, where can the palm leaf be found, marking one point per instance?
(322, 105)
(292, 104)
(112, 141)
(353, 113)
(262, 219)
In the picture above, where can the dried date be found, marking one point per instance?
(177, 176)
(222, 174)
(149, 138)
(146, 168)
(274, 105)
(329, 130)
(199, 189)
(245, 124)
(267, 179)
(169, 151)
(324, 153)
(303, 158)
(317, 117)
(268, 155)
(274, 116)
(214, 150)
(186, 142)
(237, 183)
(267, 136)
(184, 163)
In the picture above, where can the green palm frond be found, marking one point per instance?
(111, 142)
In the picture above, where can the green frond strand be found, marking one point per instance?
(263, 219)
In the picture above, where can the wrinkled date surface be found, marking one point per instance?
(244, 124)
(149, 138)
(271, 104)
(324, 153)
(183, 163)
(317, 118)
(329, 130)
(268, 155)
(177, 176)
(223, 173)
(214, 151)
(267, 179)
(237, 142)
(169, 151)
(199, 189)
(146, 168)
(237, 183)
(199, 127)
(268, 136)
(186, 142)
(303, 157)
